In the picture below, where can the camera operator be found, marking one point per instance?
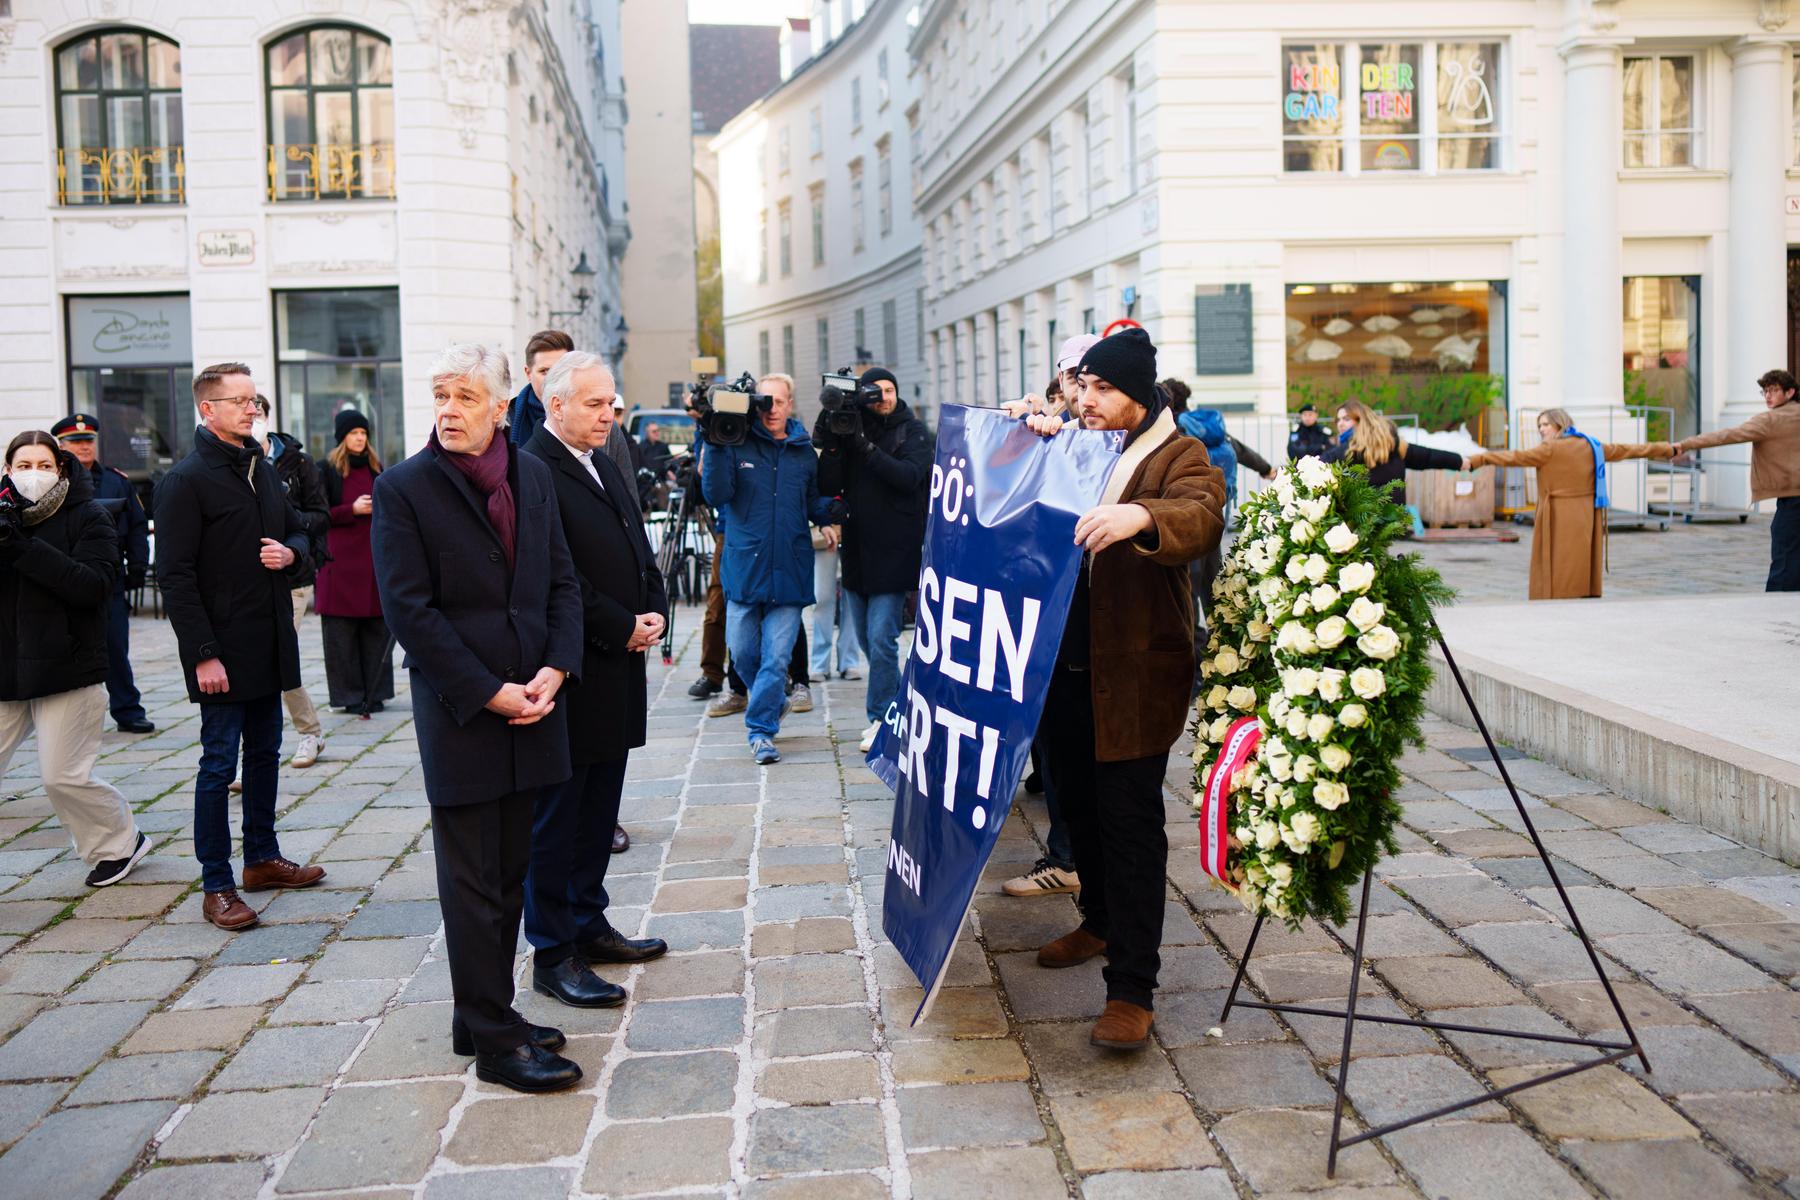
(59, 557)
(882, 469)
(767, 488)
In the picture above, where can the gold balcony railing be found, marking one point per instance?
(327, 172)
(121, 175)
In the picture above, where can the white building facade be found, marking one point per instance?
(1566, 202)
(820, 249)
(329, 192)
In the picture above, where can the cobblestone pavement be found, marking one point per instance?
(147, 1054)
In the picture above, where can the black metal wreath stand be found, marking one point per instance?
(1613, 1050)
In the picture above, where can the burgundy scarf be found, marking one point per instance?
(486, 473)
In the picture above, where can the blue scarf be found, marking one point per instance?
(1600, 497)
(1343, 438)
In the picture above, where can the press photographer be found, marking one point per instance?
(877, 456)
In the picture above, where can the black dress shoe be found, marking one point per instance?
(704, 688)
(528, 1068)
(571, 982)
(616, 948)
(621, 840)
(1034, 784)
(541, 1036)
(138, 726)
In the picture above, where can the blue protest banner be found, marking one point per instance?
(999, 571)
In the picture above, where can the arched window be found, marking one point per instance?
(118, 104)
(331, 115)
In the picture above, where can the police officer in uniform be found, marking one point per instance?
(79, 434)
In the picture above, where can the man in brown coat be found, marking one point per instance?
(1119, 693)
(1774, 437)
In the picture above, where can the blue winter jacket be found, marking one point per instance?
(1208, 426)
(769, 491)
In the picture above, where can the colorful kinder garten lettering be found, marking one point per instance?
(1387, 91)
(1313, 92)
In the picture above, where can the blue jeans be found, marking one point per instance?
(761, 637)
(830, 617)
(876, 620)
(256, 726)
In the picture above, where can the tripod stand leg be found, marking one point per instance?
(1243, 963)
(1343, 1072)
(1543, 853)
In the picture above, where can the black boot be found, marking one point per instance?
(704, 688)
(528, 1068)
(573, 983)
(540, 1035)
(613, 947)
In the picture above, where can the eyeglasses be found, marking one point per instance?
(249, 402)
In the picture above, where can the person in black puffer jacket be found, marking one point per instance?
(883, 472)
(59, 562)
(1368, 438)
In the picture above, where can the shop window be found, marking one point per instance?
(1433, 351)
(331, 115)
(337, 349)
(1796, 111)
(1362, 107)
(131, 365)
(1662, 353)
(1662, 126)
(118, 120)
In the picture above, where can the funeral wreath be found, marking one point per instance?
(1317, 656)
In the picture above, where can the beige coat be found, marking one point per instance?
(1774, 453)
(1568, 550)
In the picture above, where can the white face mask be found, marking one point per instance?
(259, 429)
(33, 483)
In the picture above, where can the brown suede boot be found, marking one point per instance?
(1071, 949)
(227, 910)
(280, 873)
(1123, 1026)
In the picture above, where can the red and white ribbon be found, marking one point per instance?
(1215, 809)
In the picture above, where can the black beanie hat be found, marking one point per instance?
(1127, 360)
(348, 419)
(877, 374)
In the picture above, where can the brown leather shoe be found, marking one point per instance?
(227, 910)
(1071, 949)
(1123, 1026)
(280, 873)
(621, 840)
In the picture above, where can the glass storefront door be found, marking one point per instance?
(338, 349)
(1662, 350)
(130, 365)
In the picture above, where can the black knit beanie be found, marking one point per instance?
(1127, 360)
(348, 419)
(876, 375)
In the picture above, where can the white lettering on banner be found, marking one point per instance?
(952, 488)
(958, 727)
(914, 733)
(905, 866)
(925, 639)
(955, 630)
(999, 635)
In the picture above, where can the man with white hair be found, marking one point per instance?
(624, 611)
(477, 585)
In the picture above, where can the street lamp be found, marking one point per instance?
(581, 271)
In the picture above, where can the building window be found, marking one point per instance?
(331, 115)
(919, 320)
(1391, 106)
(824, 324)
(882, 92)
(884, 186)
(338, 349)
(1662, 123)
(890, 333)
(784, 217)
(781, 151)
(787, 349)
(1432, 351)
(762, 246)
(855, 104)
(863, 355)
(762, 354)
(856, 206)
(816, 199)
(118, 107)
(1129, 151)
(815, 132)
(131, 365)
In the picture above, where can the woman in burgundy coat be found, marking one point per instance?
(359, 660)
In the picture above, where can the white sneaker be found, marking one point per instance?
(311, 746)
(869, 736)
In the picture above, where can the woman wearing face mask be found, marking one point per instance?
(359, 663)
(59, 561)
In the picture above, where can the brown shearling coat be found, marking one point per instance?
(1141, 607)
(1568, 547)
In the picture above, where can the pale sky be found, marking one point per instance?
(745, 12)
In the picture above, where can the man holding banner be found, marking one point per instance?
(1118, 695)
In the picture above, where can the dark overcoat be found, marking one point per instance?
(469, 625)
(56, 579)
(619, 579)
(885, 478)
(213, 509)
(117, 495)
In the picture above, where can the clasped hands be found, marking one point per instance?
(647, 631)
(528, 703)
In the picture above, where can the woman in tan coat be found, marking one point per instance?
(1568, 551)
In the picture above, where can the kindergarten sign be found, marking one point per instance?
(999, 571)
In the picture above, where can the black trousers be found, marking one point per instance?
(121, 689)
(482, 853)
(1784, 546)
(359, 662)
(571, 846)
(1115, 816)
